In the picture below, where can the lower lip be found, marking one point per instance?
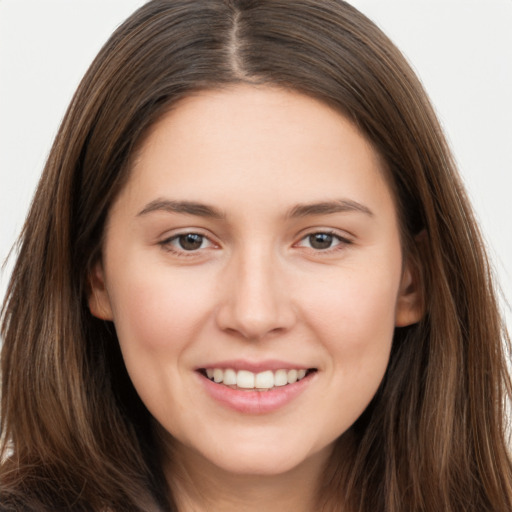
(256, 402)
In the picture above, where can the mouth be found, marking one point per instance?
(245, 380)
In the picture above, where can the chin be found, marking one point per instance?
(260, 458)
(260, 464)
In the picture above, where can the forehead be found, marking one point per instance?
(247, 141)
(249, 114)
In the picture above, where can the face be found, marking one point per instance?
(253, 269)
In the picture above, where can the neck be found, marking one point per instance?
(198, 485)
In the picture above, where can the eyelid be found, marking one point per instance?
(343, 238)
(166, 242)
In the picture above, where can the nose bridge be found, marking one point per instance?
(256, 298)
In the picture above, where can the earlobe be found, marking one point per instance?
(410, 305)
(98, 299)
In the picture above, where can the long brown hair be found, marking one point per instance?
(75, 434)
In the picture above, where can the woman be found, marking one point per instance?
(251, 278)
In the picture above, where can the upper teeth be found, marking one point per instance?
(249, 380)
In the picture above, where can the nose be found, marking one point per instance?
(256, 302)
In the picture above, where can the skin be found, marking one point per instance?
(257, 288)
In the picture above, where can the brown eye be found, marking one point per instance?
(324, 241)
(320, 240)
(187, 244)
(190, 241)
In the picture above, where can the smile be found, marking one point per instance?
(262, 391)
(262, 381)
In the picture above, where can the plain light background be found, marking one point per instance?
(461, 49)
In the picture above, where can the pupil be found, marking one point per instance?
(320, 240)
(190, 241)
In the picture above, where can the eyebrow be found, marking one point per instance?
(300, 210)
(329, 207)
(186, 207)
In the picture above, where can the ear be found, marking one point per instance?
(410, 306)
(98, 299)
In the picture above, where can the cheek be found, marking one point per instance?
(354, 318)
(357, 303)
(354, 321)
(156, 311)
(157, 318)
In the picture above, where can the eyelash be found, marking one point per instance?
(342, 241)
(167, 243)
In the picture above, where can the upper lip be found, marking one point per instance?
(256, 366)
